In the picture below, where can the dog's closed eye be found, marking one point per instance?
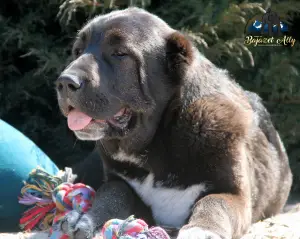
(119, 54)
(77, 52)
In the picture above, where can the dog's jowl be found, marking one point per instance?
(182, 144)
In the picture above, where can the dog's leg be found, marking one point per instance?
(218, 216)
(90, 170)
(114, 199)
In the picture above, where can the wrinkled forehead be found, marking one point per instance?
(131, 26)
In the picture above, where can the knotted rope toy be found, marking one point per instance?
(52, 197)
(131, 228)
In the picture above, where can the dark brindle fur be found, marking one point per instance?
(192, 150)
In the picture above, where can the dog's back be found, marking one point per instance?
(269, 164)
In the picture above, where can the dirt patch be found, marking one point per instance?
(282, 226)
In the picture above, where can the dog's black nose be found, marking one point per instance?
(69, 82)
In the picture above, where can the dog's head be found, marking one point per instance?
(122, 76)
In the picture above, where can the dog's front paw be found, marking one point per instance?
(196, 233)
(78, 226)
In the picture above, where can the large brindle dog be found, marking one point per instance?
(182, 144)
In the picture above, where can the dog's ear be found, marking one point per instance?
(179, 53)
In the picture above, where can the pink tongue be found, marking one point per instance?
(78, 120)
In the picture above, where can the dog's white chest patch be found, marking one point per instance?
(124, 157)
(170, 206)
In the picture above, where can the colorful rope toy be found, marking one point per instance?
(52, 198)
(131, 228)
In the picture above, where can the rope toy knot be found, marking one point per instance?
(131, 228)
(68, 196)
(52, 199)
